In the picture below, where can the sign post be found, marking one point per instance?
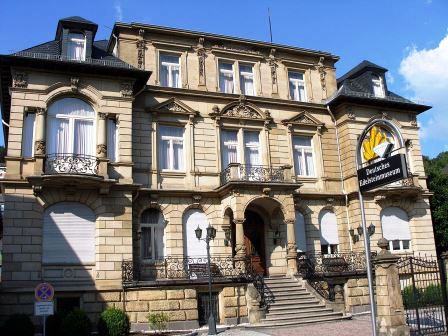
(44, 306)
(385, 169)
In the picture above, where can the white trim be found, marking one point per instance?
(297, 83)
(170, 67)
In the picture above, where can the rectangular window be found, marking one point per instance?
(329, 248)
(76, 47)
(170, 71)
(226, 77)
(112, 140)
(229, 141)
(252, 153)
(28, 135)
(297, 86)
(171, 148)
(247, 79)
(303, 156)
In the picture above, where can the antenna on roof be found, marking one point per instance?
(270, 26)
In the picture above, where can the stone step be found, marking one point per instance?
(295, 303)
(285, 288)
(285, 285)
(289, 294)
(276, 324)
(282, 299)
(287, 311)
(300, 315)
(295, 307)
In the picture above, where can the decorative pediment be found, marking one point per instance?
(303, 118)
(241, 109)
(174, 105)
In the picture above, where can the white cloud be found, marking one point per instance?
(390, 78)
(118, 11)
(426, 75)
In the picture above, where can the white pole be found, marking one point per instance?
(368, 264)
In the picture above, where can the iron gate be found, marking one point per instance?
(204, 308)
(423, 288)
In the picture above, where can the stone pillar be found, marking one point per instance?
(287, 173)
(391, 318)
(39, 142)
(254, 311)
(291, 250)
(240, 248)
(101, 144)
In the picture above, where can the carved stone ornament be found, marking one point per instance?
(40, 111)
(101, 150)
(322, 73)
(196, 199)
(350, 114)
(242, 110)
(102, 116)
(20, 80)
(39, 147)
(291, 248)
(201, 58)
(273, 65)
(74, 83)
(126, 89)
(141, 47)
(413, 120)
(173, 107)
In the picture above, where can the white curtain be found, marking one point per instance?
(328, 228)
(28, 135)
(296, 86)
(71, 127)
(178, 154)
(192, 219)
(303, 156)
(152, 235)
(112, 137)
(300, 232)
(229, 140)
(395, 224)
(247, 79)
(226, 77)
(76, 47)
(252, 148)
(169, 71)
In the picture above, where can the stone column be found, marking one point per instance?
(390, 309)
(291, 249)
(39, 142)
(101, 144)
(240, 248)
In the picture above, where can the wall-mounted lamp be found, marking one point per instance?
(371, 229)
(227, 235)
(276, 236)
(355, 237)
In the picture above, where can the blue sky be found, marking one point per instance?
(408, 37)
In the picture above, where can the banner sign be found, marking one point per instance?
(386, 171)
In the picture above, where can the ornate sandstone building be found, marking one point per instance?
(118, 150)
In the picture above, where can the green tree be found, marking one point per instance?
(437, 171)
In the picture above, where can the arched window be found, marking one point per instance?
(71, 128)
(152, 228)
(300, 232)
(395, 225)
(192, 219)
(68, 234)
(329, 239)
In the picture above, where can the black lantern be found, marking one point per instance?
(198, 232)
(371, 229)
(211, 232)
(359, 228)
(351, 232)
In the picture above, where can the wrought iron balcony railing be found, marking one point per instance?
(250, 173)
(68, 163)
(311, 264)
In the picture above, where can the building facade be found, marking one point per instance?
(118, 150)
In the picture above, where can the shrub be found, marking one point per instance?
(432, 295)
(113, 322)
(18, 325)
(53, 324)
(76, 323)
(411, 298)
(157, 321)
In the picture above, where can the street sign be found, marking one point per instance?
(43, 308)
(44, 292)
(386, 171)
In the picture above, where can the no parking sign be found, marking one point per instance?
(44, 292)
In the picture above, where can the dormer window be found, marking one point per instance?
(76, 47)
(378, 87)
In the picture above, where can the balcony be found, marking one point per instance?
(236, 172)
(74, 164)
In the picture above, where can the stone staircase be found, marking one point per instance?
(292, 304)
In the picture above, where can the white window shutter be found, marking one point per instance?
(328, 228)
(68, 234)
(395, 224)
(28, 135)
(300, 232)
(192, 219)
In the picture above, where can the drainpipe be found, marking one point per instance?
(342, 176)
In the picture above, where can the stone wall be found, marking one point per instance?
(356, 295)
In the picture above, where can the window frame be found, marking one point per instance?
(303, 148)
(290, 80)
(153, 227)
(232, 63)
(116, 154)
(171, 148)
(241, 74)
(84, 40)
(377, 81)
(170, 76)
(241, 145)
(236, 75)
(400, 249)
(33, 135)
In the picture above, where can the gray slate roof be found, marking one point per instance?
(77, 19)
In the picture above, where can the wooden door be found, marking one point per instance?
(254, 241)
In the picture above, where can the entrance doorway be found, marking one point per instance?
(254, 241)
